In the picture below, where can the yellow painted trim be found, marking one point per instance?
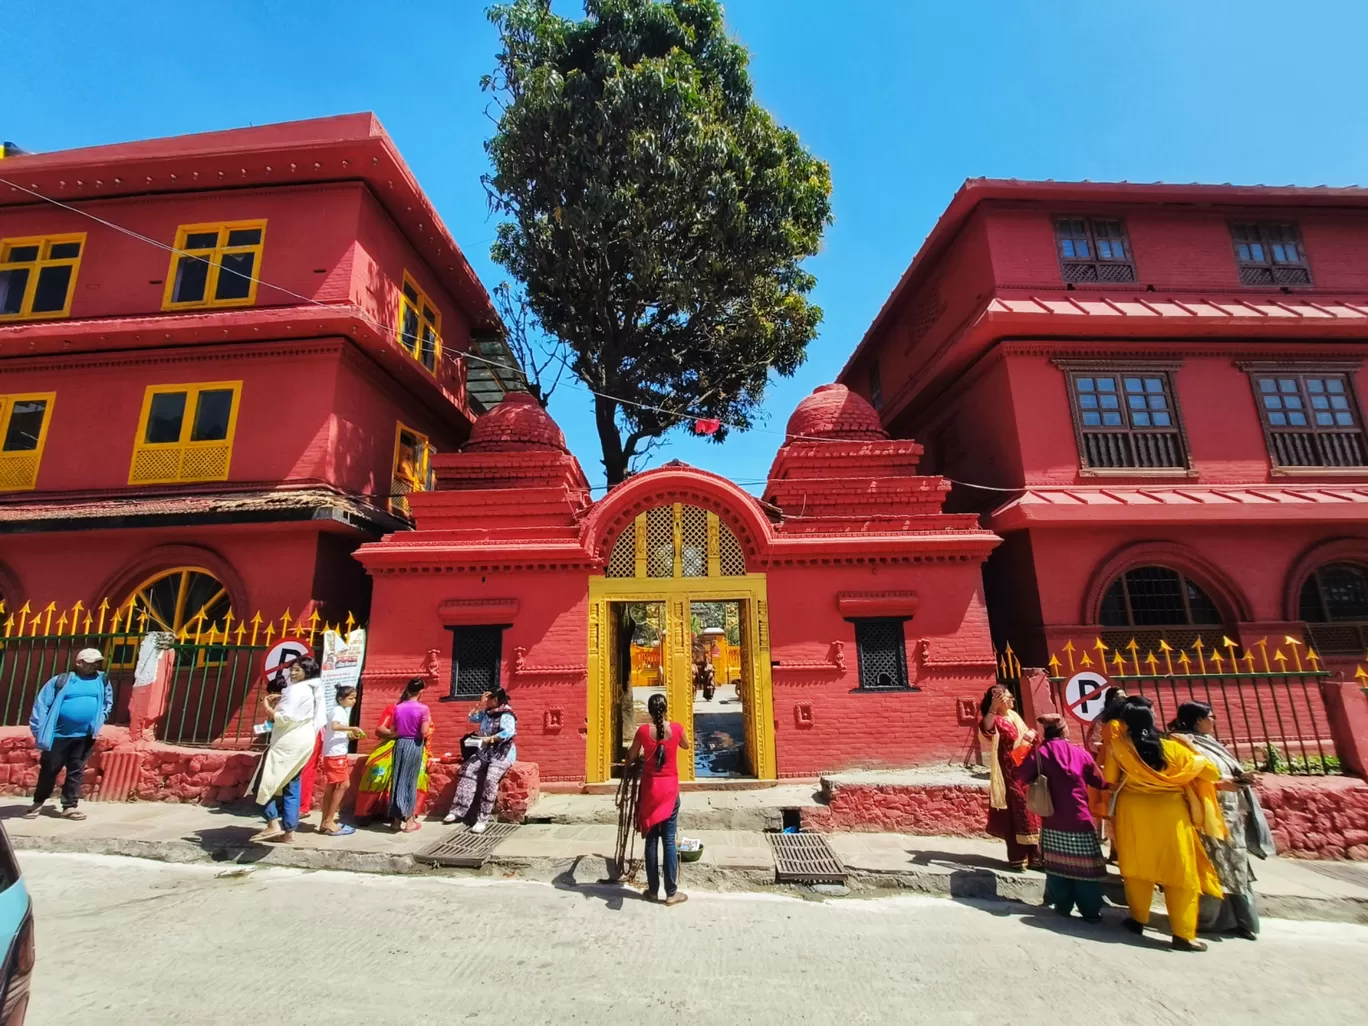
(215, 257)
(35, 455)
(677, 593)
(192, 391)
(424, 300)
(423, 471)
(44, 244)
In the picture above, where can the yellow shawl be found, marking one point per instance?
(1187, 772)
(997, 783)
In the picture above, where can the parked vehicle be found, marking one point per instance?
(16, 933)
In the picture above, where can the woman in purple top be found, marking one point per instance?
(412, 728)
(1074, 864)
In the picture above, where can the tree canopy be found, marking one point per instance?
(657, 215)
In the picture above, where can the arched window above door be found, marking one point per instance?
(679, 540)
(181, 599)
(1334, 604)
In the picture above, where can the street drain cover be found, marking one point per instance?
(465, 849)
(805, 858)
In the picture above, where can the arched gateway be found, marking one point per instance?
(836, 624)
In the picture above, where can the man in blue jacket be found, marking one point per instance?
(67, 716)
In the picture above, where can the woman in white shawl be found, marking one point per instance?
(299, 715)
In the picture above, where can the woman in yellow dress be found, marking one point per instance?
(1165, 796)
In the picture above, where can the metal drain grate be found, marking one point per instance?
(465, 849)
(805, 858)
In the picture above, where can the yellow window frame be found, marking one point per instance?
(215, 259)
(193, 461)
(19, 469)
(433, 323)
(420, 480)
(36, 267)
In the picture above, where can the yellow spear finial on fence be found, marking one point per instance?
(1230, 651)
(1197, 647)
(1313, 659)
(1281, 660)
(1153, 665)
(1135, 654)
(1054, 665)
(23, 618)
(1296, 650)
(1263, 650)
(1119, 663)
(350, 623)
(1085, 662)
(1217, 658)
(104, 608)
(1167, 649)
(1361, 675)
(47, 624)
(256, 626)
(75, 615)
(1186, 663)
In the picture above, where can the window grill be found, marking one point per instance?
(681, 540)
(475, 657)
(622, 563)
(1093, 249)
(1312, 419)
(693, 537)
(1334, 604)
(1164, 605)
(1127, 418)
(660, 542)
(882, 654)
(732, 559)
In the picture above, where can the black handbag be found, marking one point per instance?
(470, 745)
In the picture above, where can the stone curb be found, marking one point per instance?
(589, 872)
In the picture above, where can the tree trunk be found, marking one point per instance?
(615, 460)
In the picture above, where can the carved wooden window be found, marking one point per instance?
(1334, 604)
(476, 653)
(1126, 418)
(1311, 418)
(1155, 603)
(1269, 253)
(1093, 249)
(882, 651)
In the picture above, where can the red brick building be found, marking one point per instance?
(856, 602)
(224, 358)
(1153, 393)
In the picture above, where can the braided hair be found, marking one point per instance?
(655, 705)
(1138, 715)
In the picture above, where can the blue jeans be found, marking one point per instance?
(664, 832)
(285, 807)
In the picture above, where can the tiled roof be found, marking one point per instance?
(1185, 503)
(1146, 305)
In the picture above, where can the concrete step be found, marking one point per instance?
(754, 810)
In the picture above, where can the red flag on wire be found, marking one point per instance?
(707, 426)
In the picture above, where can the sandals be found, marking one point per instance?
(33, 813)
(342, 831)
(76, 814)
(1182, 944)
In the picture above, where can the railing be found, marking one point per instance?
(1319, 448)
(213, 695)
(34, 650)
(1120, 449)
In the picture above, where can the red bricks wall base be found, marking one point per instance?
(943, 810)
(1317, 817)
(167, 773)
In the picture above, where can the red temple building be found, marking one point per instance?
(855, 602)
(1153, 394)
(224, 361)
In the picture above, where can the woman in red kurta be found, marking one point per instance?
(1006, 741)
(658, 804)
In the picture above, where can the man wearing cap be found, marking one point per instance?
(67, 716)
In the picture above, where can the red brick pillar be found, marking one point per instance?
(1347, 709)
(147, 701)
(1037, 697)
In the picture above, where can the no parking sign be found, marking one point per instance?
(285, 653)
(1083, 695)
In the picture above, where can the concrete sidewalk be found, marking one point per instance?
(577, 854)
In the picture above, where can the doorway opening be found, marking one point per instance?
(639, 670)
(721, 670)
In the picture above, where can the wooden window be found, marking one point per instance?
(412, 467)
(1156, 603)
(1126, 418)
(185, 433)
(476, 654)
(1311, 419)
(1334, 604)
(882, 650)
(215, 265)
(1093, 249)
(23, 433)
(419, 330)
(38, 276)
(1269, 253)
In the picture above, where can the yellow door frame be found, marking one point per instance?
(677, 593)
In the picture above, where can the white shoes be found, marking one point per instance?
(450, 818)
(480, 826)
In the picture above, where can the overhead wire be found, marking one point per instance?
(395, 329)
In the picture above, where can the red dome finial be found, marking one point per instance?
(834, 412)
(516, 424)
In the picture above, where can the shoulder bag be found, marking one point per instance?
(1038, 798)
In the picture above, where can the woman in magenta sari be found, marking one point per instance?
(1006, 742)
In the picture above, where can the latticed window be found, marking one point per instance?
(475, 656)
(1312, 419)
(1126, 419)
(23, 433)
(676, 541)
(1334, 604)
(1157, 603)
(1093, 249)
(882, 653)
(1269, 253)
(185, 433)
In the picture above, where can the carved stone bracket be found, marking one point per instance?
(523, 670)
(833, 665)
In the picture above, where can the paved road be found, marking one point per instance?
(127, 941)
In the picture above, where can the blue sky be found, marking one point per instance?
(904, 99)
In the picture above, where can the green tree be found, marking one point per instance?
(658, 216)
